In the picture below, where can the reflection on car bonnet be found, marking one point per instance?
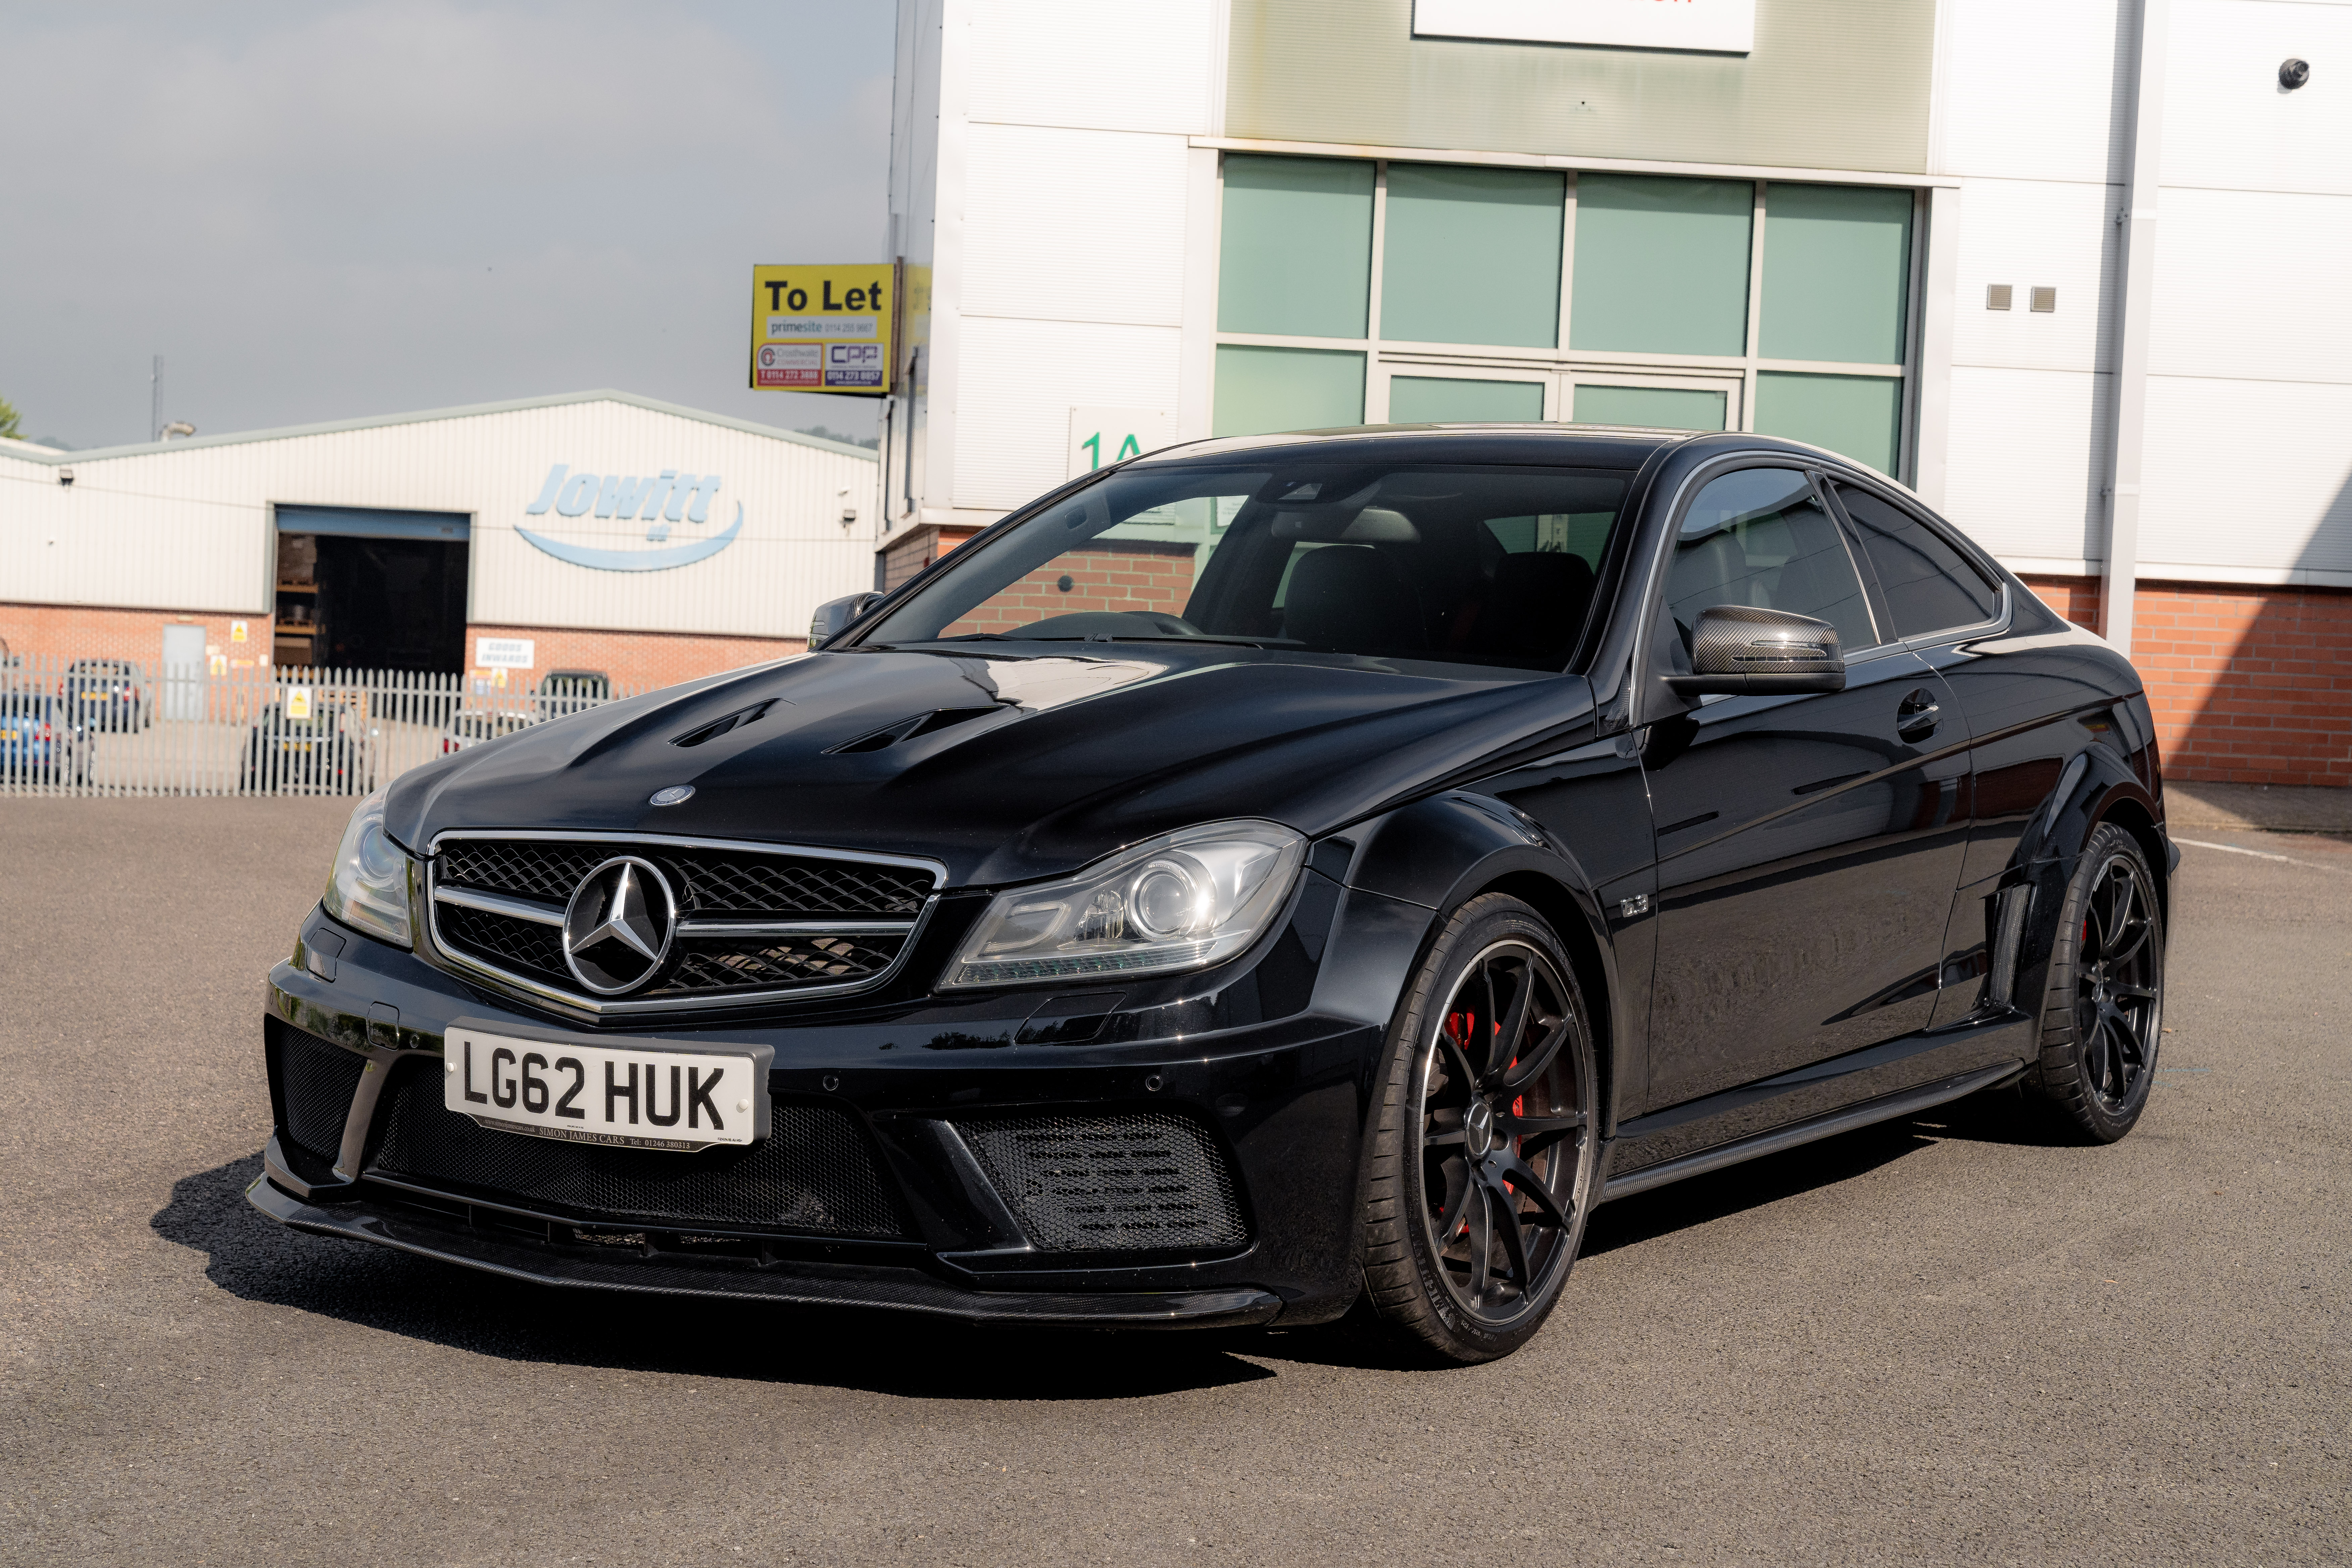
(1037, 684)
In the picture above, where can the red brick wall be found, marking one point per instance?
(1115, 574)
(2250, 685)
(62, 632)
(640, 660)
(903, 558)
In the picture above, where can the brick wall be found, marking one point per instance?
(61, 632)
(2250, 685)
(641, 660)
(902, 558)
(1114, 575)
(638, 660)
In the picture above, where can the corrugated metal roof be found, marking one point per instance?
(32, 454)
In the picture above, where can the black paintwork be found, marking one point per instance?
(1780, 908)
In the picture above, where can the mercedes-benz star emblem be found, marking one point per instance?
(676, 795)
(617, 927)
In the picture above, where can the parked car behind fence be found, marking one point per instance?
(107, 694)
(41, 742)
(222, 728)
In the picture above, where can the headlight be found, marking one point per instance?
(1184, 901)
(368, 886)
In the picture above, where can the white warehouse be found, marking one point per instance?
(596, 530)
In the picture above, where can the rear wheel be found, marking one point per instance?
(2103, 1014)
(1484, 1151)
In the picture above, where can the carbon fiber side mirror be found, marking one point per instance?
(1739, 648)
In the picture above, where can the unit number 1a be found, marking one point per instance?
(1131, 448)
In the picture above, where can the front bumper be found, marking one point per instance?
(1273, 1057)
(498, 1244)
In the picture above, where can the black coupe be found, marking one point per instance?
(1262, 877)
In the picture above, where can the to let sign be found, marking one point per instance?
(1713, 27)
(824, 329)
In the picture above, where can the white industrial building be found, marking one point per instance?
(596, 530)
(2072, 271)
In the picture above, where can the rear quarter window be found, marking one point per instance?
(1930, 585)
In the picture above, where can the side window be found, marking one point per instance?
(1759, 538)
(1928, 585)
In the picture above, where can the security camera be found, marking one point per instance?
(65, 476)
(2293, 73)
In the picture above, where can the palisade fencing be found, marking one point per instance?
(119, 727)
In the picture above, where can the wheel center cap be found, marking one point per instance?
(1478, 1129)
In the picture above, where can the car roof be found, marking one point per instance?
(1571, 446)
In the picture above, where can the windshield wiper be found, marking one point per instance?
(1207, 636)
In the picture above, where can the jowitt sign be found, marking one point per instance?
(658, 501)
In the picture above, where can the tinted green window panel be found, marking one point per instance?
(1296, 254)
(1434, 400)
(1837, 272)
(1259, 390)
(1472, 255)
(1857, 415)
(1661, 263)
(1659, 407)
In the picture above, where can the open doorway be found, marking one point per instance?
(362, 589)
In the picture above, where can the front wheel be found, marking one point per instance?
(1483, 1151)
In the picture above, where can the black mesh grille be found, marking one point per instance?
(519, 866)
(711, 963)
(526, 946)
(710, 885)
(747, 886)
(318, 1080)
(815, 1173)
(709, 882)
(1093, 1184)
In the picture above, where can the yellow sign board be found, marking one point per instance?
(824, 329)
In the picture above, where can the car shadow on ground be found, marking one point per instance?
(257, 1260)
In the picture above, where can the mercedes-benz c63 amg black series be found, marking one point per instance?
(1260, 878)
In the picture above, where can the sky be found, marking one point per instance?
(329, 210)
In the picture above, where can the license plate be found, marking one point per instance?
(8, 734)
(293, 745)
(96, 696)
(641, 1095)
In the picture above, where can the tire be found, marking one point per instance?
(2102, 1013)
(1481, 1172)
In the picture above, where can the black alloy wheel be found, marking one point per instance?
(2104, 1016)
(1483, 1164)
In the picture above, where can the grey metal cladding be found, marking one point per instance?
(1830, 84)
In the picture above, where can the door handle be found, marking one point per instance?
(1916, 718)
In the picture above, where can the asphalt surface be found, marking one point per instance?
(1929, 1341)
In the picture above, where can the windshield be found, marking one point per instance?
(1474, 565)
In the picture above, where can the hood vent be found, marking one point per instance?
(911, 728)
(724, 722)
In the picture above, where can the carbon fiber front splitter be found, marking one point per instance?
(796, 1284)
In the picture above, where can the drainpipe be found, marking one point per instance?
(2136, 283)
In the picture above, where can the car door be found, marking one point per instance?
(1808, 846)
(2024, 704)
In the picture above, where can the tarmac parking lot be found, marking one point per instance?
(1933, 1340)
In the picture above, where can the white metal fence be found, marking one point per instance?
(119, 727)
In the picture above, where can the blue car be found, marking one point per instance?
(41, 741)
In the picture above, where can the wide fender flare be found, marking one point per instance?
(2095, 785)
(1410, 870)
(1439, 853)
